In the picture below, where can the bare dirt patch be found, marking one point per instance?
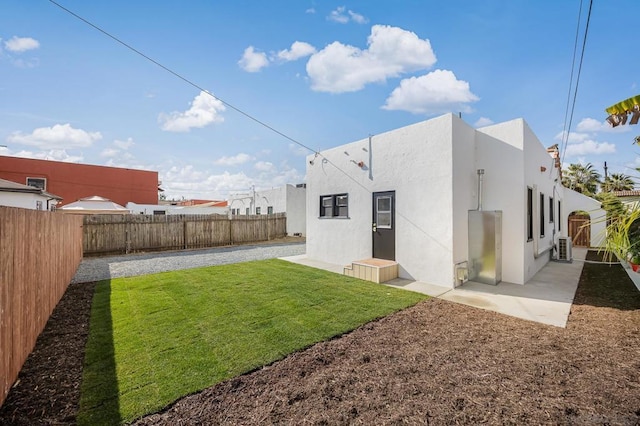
(435, 363)
(47, 390)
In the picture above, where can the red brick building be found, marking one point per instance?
(73, 181)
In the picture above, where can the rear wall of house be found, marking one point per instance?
(415, 162)
(74, 181)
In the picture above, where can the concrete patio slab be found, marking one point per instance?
(546, 298)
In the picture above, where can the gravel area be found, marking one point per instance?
(102, 268)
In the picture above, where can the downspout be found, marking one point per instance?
(536, 220)
(49, 199)
(554, 234)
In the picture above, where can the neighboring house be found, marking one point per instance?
(73, 181)
(629, 198)
(289, 199)
(410, 194)
(94, 205)
(14, 194)
(164, 209)
(201, 203)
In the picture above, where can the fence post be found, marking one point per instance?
(127, 237)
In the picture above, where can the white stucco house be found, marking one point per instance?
(289, 199)
(409, 195)
(15, 194)
(167, 209)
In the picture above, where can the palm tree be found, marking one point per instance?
(617, 182)
(581, 178)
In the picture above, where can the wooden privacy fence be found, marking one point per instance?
(105, 234)
(39, 254)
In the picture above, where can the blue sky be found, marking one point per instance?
(324, 73)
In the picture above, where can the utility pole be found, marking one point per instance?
(606, 178)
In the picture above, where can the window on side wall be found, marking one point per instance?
(559, 215)
(270, 210)
(336, 205)
(551, 210)
(247, 212)
(542, 224)
(529, 214)
(342, 205)
(258, 210)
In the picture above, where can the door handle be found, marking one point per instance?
(375, 227)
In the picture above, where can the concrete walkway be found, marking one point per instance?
(546, 298)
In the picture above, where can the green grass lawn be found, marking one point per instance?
(156, 338)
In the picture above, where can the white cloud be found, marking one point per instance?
(110, 152)
(341, 17)
(357, 18)
(253, 61)
(299, 49)
(483, 121)
(53, 154)
(188, 182)
(436, 92)
(21, 44)
(191, 182)
(310, 10)
(574, 137)
(264, 166)
(60, 136)
(391, 52)
(338, 15)
(124, 144)
(118, 154)
(204, 110)
(589, 147)
(234, 161)
(593, 125)
(590, 125)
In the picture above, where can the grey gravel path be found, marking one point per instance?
(102, 268)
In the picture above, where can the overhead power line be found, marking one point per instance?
(181, 77)
(197, 86)
(567, 128)
(249, 116)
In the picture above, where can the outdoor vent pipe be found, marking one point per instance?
(480, 177)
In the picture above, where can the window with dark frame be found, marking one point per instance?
(336, 205)
(550, 209)
(559, 215)
(258, 210)
(270, 210)
(529, 214)
(40, 183)
(542, 224)
(247, 211)
(326, 206)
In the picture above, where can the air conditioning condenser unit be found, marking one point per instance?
(564, 249)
